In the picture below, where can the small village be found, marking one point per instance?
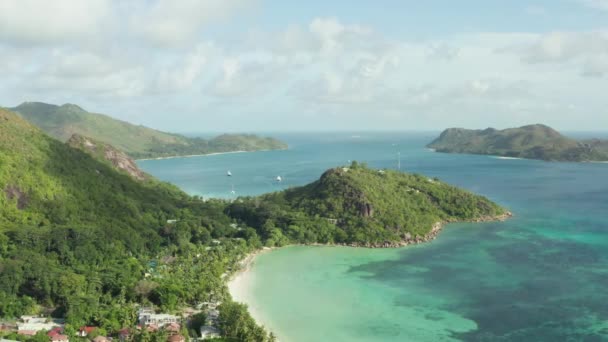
(176, 328)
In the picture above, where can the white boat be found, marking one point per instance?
(229, 174)
(279, 179)
(233, 192)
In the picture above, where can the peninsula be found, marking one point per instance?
(359, 206)
(530, 142)
(139, 142)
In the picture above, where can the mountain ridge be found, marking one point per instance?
(138, 141)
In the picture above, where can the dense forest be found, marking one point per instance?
(61, 122)
(80, 240)
(531, 142)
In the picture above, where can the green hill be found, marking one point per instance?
(46, 182)
(359, 206)
(63, 121)
(78, 238)
(532, 142)
(83, 238)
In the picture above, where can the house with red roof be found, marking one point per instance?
(54, 332)
(85, 331)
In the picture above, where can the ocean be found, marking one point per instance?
(540, 276)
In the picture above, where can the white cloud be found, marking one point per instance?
(442, 51)
(169, 22)
(247, 78)
(44, 22)
(184, 73)
(585, 51)
(314, 69)
(596, 66)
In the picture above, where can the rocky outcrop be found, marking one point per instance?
(123, 162)
(366, 210)
(409, 239)
(107, 153)
(13, 192)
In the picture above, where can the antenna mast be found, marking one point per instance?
(399, 161)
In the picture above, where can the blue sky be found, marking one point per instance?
(268, 65)
(439, 17)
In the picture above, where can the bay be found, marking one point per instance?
(540, 276)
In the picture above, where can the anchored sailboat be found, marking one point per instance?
(279, 179)
(229, 174)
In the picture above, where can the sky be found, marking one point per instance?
(287, 65)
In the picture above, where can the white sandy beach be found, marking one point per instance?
(197, 155)
(240, 287)
(507, 158)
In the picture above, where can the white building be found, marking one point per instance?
(147, 316)
(33, 319)
(30, 325)
(33, 328)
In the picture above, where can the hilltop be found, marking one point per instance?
(63, 121)
(360, 206)
(532, 142)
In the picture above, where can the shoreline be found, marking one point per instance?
(210, 154)
(196, 155)
(495, 156)
(246, 263)
(239, 282)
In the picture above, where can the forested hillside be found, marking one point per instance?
(138, 141)
(82, 240)
(532, 142)
(360, 206)
(77, 237)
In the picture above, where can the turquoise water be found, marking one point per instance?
(541, 276)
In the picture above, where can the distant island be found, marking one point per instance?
(89, 239)
(139, 142)
(530, 142)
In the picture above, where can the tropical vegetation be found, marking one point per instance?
(61, 122)
(83, 241)
(531, 142)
